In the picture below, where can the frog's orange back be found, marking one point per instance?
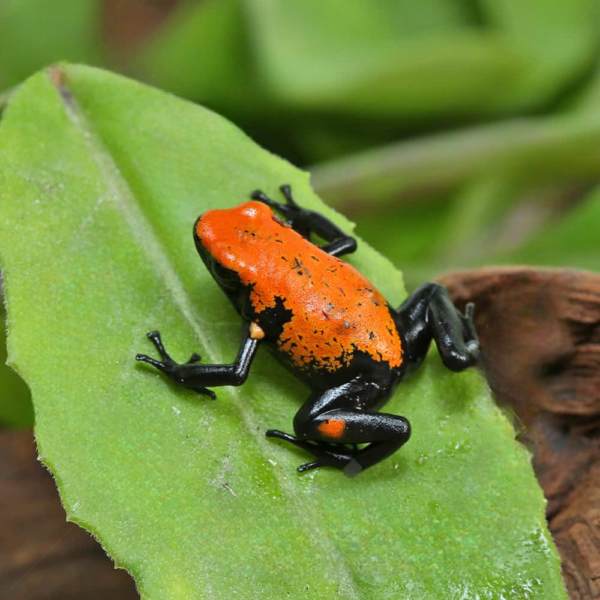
(335, 310)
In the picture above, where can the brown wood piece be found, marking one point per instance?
(540, 339)
(41, 555)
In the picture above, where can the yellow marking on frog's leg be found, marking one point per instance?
(256, 333)
(332, 428)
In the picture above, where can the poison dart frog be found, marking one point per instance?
(326, 322)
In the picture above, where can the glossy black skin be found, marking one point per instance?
(351, 394)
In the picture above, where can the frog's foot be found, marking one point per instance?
(327, 455)
(167, 361)
(169, 367)
(298, 218)
(288, 209)
(305, 222)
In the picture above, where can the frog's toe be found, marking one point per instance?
(309, 466)
(204, 391)
(328, 459)
(165, 366)
(194, 358)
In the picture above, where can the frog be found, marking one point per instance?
(280, 266)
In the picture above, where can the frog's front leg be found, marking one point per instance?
(306, 221)
(199, 377)
(330, 419)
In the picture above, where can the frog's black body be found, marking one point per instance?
(326, 322)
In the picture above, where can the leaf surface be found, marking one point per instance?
(100, 183)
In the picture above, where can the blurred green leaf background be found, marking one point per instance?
(456, 133)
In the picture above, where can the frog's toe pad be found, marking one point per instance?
(309, 466)
(353, 468)
(474, 348)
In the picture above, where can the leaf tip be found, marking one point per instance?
(57, 77)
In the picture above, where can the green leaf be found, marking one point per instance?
(572, 241)
(202, 53)
(379, 58)
(533, 150)
(101, 181)
(35, 33)
(373, 60)
(556, 40)
(16, 411)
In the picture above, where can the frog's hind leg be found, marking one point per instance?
(327, 455)
(329, 420)
(428, 314)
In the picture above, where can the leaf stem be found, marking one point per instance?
(538, 148)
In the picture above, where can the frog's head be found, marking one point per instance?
(231, 243)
